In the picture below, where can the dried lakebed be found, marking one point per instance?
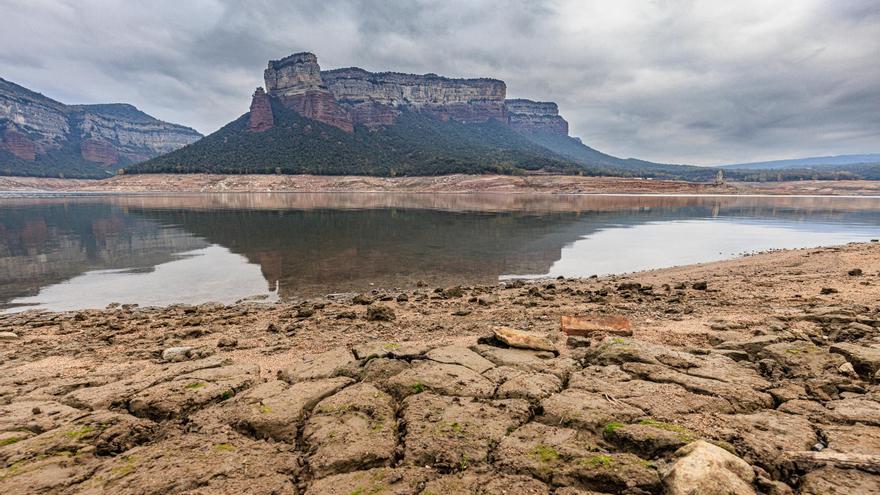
(756, 375)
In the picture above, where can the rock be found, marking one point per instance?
(865, 360)
(753, 345)
(485, 484)
(828, 290)
(460, 355)
(455, 432)
(260, 116)
(802, 359)
(762, 437)
(855, 272)
(446, 379)
(590, 411)
(836, 481)
(543, 362)
(364, 299)
(856, 410)
(488, 300)
(848, 370)
(702, 285)
(529, 386)
(8, 336)
(576, 342)
(227, 342)
(399, 350)
(588, 325)
(648, 438)
(706, 469)
(523, 340)
(176, 354)
(397, 481)
(353, 429)
(328, 364)
(380, 312)
(535, 116)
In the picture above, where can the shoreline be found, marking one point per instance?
(535, 184)
(766, 355)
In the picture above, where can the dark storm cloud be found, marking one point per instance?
(675, 81)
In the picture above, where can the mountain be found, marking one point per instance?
(810, 162)
(352, 121)
(43, 137)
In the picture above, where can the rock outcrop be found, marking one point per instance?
(296, 82)
(59, 137)
(375, 97)
(261, 117)
(535, 116)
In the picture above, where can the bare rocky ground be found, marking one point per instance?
(756, 375)
(456, 183)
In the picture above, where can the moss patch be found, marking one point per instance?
(545, 453)
(598, 461)
(195, 386)
(9, 441)
(79, 432)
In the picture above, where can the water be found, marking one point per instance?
(72, 252)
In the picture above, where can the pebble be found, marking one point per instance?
(8, 336)
(173, 354)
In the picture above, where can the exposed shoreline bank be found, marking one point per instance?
(204, 183)
(767, 355)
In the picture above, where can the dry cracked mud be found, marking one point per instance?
(748, 392)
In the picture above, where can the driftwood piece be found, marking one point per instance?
(809, 460)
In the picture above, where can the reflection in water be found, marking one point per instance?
(73, 252)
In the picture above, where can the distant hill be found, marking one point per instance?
(351, 121)
(43, 137)
(810, 162)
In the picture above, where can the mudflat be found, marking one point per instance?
(754, 375)
(457, 183)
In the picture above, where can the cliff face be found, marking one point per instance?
(296, 82)
(53, 135)
(535, 116)
(375, 98)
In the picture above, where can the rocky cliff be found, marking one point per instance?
(535, 116)
(41, 136)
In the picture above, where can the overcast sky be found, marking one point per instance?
(699, 81)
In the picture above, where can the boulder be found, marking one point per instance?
(865, 360)
(176, 354)
(706, 469)
(8, 336)
(523, 340)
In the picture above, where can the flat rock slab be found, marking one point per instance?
(275, 409)
(460, 355)
(852, 439)
(648, 438)
(397, 350)
(705, 468)
(456, 432)
(387, 481)
(325, 365)
(802, 359)
(585, 410)
(523, 340)
(186, 393)
(529, 386)
(856, 410)
(445, 379)
(19, 416)
(352, 430)
(836, 481)
(762, 437)
(866, 360)
(568, 457)
(540, 361)
(194, 463)
(485, 484)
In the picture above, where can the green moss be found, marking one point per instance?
(224, 447)
(598, 461)
(417, 388)
(545, 453)
(264, 409)
(391, 347)
(618, 341)
(79, 432)
(685, 435)
(227, 395)
(611, 427)
(195, 386)
(9, 441)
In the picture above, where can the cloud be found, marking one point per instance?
(681, 81)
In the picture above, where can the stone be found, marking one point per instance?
(227, 342)
(8, 336)
(590, 411)
(460, 355)
(855, 272)
(848, 370)
(856, 410)
(396, 481)
(275, 410)
(567, 457)
(706, 469)
(354, 429)
(529, 386)
(802, 359)
(588, 325)
(468, 483)
(328, 364)
(176, 354)
(260, 117)
(446, 379)
(762, 437)
(456, 432)
(380, 312)
(648, 438)
(865, 360)
(527, 360)
(523, 340)
(398, 350)
(753, 345)
(535, 116)
(836, 481)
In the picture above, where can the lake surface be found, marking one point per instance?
(72, 252)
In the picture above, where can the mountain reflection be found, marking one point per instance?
(312, 244)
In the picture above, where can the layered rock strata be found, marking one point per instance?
(535, 116)
(296, 82)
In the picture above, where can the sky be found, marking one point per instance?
(677, 81)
